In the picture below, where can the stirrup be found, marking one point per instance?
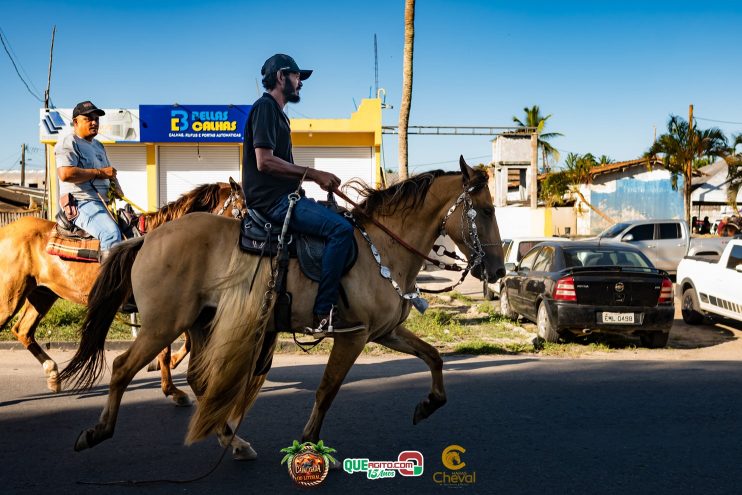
(326, 329)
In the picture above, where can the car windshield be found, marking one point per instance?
(602, 256)
(614, 230)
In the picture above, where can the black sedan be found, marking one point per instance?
(586, 286)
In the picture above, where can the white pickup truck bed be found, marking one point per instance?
(710, 287)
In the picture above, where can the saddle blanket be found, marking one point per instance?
(76, 249)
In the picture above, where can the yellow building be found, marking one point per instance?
(153, 172)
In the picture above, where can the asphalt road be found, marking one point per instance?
(529, 425)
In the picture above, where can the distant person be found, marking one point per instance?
(86, 176)
(694, 225)
(705, 227)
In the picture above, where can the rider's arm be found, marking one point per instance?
(270, 164)
(77, 174)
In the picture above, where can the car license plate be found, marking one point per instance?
(618, 318)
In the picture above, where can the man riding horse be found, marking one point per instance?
(270, 175)
(86, 175)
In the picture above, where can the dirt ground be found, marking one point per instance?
(711, 341)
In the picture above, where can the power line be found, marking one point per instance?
(448, 161)
(718, 121)
(3, 39)
(20, 65)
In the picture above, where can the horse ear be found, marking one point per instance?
(466, 170)
(235, 185)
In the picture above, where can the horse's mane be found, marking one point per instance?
(404, 195)
(203, 198)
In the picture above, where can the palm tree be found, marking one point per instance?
(682, 147)
(533, 118)
(734, 172)
(404, 111)
(579, 172)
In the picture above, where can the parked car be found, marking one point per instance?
(514, 249)
(664, 242)
(712, 288)
(590, 286)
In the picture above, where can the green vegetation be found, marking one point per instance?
(63, 323)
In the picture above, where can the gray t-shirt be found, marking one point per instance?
(74, 151)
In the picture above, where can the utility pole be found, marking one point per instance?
(45, 206)
(23, 165)
(534, 169)
(689, 170)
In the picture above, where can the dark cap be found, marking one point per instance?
(86, 108)
(279, 62)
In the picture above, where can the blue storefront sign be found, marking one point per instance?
(192, 123)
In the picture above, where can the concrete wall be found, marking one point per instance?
(515, 221)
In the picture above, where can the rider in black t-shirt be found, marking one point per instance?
(269, 175)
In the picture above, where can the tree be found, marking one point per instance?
(533, 118)
(682, 148)
(734, 172)
(404, 111)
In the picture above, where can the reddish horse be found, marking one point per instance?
(31, 280)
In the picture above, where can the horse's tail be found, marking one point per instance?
(111, 289)
(226, 365)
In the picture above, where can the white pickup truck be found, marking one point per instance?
(711, 288)
(665, 242)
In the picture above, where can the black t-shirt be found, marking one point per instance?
(267, 127)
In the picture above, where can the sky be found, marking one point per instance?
(609, 73)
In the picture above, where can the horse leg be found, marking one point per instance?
(180, 355)
(38, 303)
(179, 397)
(345, 351)
(241, 449)
(144, 349)
(402, 340)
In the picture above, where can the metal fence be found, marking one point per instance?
(7, 217)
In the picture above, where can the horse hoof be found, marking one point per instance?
(244, 453)
(182, 400)
(427, 407)
(53, 382)
(82, 442)
(154, 366)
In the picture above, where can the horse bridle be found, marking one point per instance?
(236, 212)
(472, 242)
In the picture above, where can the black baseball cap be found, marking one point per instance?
(279, 61)
(86, 108)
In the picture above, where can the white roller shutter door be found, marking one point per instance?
(130, 163)
(181, 169)
(347, 163)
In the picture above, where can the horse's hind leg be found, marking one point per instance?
(144, 349)
(345, 351)
(180, 398)
(38, 303)
(401, 339)
(180, 355)
(241, 449)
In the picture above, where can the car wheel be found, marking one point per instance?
(545, 329)
(691, 310)
(655, 340)
(505, 309)
(487, 291)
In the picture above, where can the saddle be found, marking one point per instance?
(70, 242)
(258, 235)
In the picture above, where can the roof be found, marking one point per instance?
(621, 166)
(711, 186)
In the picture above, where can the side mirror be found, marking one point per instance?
(524, 270)
(510, 267)
(628, 238)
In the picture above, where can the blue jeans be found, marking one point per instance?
(311, 218)
(95, 220)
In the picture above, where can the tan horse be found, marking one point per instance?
(31, 280)
(208, 284)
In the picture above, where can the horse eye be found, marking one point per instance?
(488, 212)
